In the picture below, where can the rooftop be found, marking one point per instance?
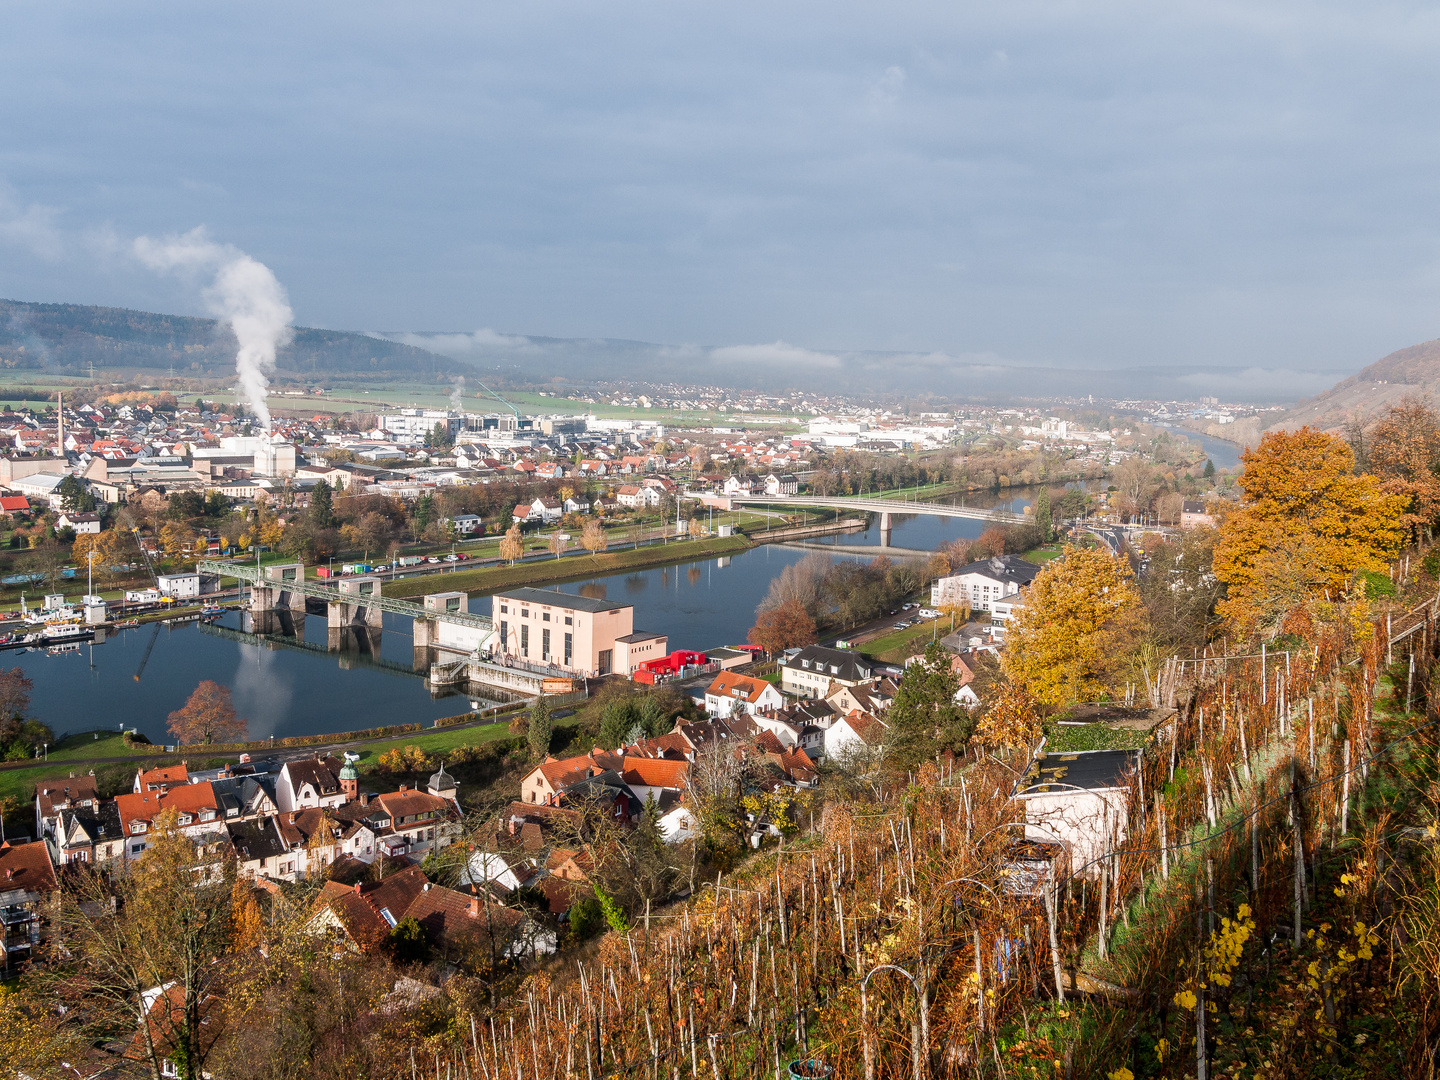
(547, 597)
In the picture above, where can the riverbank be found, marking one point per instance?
(551, 572)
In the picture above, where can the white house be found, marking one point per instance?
(1079, 799)
(81, 523)
(467, 524)
(784, 484)
(981, 584)
(854, 732)
(179, 586)
(310, 782)
(637, 497)
(485, 866)
(730, 693)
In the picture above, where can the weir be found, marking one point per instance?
(355, 607)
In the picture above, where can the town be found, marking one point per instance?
(713, 542)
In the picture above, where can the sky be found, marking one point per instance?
(1244, 189)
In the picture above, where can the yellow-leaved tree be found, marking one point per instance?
(511, 546)
(1307, 527)
(1080, 624)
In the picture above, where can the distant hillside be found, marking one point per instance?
(1411, 371)
(69, 338)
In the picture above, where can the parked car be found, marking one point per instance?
(432, 559)
(929, 613)
(901, 626)
(452, 558)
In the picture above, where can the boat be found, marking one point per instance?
(63, 632)
(212, 609)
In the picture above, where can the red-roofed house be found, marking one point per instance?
(27, 880)
(14, 504)
(730, 693)
(553, 775)
(161, 779)
(853, 733)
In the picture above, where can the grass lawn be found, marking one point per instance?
(1042, 554)
(898, 645)
(89, 745)
(1065, 739)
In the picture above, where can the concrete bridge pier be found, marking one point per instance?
(425, 631)
(885, 529)
(352, 609)
(273, 595)
(353, 639)
(271, 622)
(341, 615)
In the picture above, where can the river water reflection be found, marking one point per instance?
(293, 691)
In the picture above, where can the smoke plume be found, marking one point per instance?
(243, 292)
(457, 395)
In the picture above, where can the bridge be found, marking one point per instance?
(886, 508)
(276, 578)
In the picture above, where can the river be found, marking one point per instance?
(290, 691)
(1225, 455)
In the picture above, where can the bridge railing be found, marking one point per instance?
(254, 576)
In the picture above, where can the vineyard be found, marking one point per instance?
(1259, 905)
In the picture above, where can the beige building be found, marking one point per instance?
(577, 633)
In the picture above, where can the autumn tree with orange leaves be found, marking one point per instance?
(787, 626)
(1307, 527)
(1404, 451)
(208, 716)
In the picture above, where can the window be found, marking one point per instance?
(569, 647)
(524, 612)
(504, 628)
(545, 617)
(545, 643)
(606, 657)
(568, 620)
(524, 640)
(504, 609)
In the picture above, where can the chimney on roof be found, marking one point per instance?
(357, 888)
(402, 787)
(474, 907)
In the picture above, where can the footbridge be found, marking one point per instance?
(886, 508)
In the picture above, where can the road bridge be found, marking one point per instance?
(886, 508)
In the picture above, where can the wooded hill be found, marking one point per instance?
(69, 338)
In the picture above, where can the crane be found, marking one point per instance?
(146, 658)
(498, 398)
(146, 556)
